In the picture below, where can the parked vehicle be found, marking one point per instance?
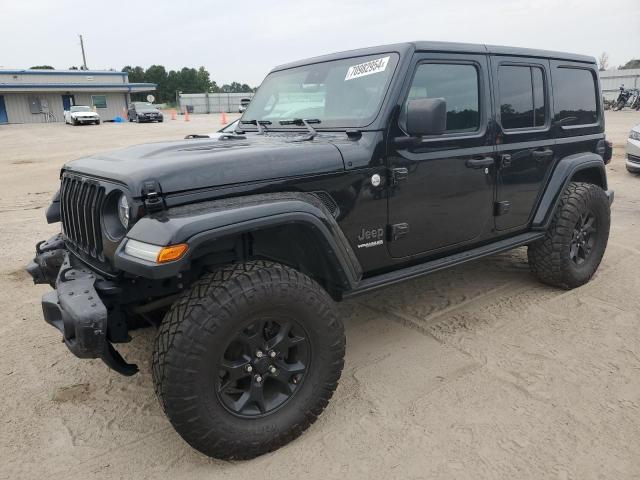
(633, 150)
(144, 112)
(627, 97)
(244, 103)
(80, 115)
(634, 100)
(355, 171)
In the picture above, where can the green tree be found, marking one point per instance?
(136, 74)
(189, 80)
(635, 63)
(204, 82)
(158, 75)
(186, 80)
(42, 67)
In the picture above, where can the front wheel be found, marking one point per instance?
(574, 244)
(248, 359)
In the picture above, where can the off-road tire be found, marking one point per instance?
(549, 258)
(194, 332)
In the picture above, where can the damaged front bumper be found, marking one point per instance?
(76, 307)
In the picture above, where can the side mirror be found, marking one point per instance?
(426, 116)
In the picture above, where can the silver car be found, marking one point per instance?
(633, 150)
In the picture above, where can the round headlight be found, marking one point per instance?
(123, 210)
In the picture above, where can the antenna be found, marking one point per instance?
(84, 59)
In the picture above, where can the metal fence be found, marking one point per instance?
(211, 102)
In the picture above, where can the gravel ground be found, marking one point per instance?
(475, 372)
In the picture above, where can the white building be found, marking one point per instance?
(612, 79)
(36, 96)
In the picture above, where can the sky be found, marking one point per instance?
(242, 44)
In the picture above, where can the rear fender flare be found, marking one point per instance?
(565, 171)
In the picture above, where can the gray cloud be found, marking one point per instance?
(243, 43)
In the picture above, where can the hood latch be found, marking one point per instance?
(152, 196)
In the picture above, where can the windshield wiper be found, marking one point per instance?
(302, 121)
(260, 124)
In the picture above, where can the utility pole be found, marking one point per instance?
(84, 59)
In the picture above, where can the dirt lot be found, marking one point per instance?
(476, 372)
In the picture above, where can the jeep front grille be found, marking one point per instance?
(81, 202)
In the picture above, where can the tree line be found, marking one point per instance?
(603, 63)
(186, 80)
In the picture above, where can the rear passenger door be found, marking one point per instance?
(525, 142)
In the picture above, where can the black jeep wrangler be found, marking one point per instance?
(348, 172)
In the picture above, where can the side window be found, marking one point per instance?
(574, 91)
(522, 99)
(99, 101)
(458, 85)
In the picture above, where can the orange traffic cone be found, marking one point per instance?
(223, 118)
(186, 115)
(124, 113)
(173, 114)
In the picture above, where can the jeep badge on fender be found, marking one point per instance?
(237, 248)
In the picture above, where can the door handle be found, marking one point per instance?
(479, 162)
(540, 155)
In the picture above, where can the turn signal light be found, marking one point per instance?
(171, 253)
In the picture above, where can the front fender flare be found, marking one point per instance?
(560, 178)
(207, 222)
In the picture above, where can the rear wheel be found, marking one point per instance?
(574, 244)
(248, 359)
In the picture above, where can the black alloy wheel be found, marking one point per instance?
(263, 367)
(584, 238)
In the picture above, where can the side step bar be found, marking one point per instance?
(415, 271)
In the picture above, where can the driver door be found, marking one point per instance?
(442, 187)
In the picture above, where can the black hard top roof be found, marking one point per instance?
(445, 47)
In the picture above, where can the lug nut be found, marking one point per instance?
(272, 354)
(272, 369)
(258, 378)
(259, 354)
(248, 368)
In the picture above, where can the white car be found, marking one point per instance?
(81, 114)
(633, 150)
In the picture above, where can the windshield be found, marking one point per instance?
(80, 109)
(144, 105)
(344, 93)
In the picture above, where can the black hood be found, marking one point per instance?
(148, 110)
(201, 163)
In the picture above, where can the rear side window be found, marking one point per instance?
(458, 85)
(574, 92)
(522, 98)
